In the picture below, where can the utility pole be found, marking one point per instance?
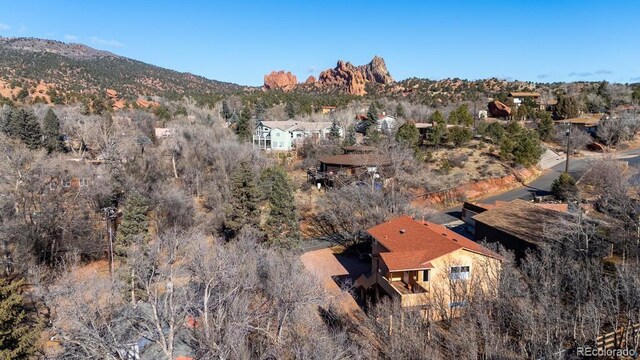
(568, 134)
(110, 216)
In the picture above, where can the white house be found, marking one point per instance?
(285, 135)
(386, 123)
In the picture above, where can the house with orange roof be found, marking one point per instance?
(427, 265)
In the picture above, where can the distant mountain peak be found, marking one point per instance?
(71, 50)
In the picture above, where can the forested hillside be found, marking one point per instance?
(77, 68)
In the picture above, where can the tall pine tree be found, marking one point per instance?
(372, 117)
(51, 131)
(334, 131)
(226, 111)
(408, 135)
(282, 227)
(134, 224)
(438, 129)
(243, 209)
(10, 123)
(350, 137)
(19, 331)
(243, 127)
(290, 110)
(29, 130)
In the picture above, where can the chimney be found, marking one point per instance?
(402, 231)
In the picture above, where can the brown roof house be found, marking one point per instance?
(518, 226)
(358, 163)
(469, 210)
(427, 266)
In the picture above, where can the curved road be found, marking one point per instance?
(577, 168)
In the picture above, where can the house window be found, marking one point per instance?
(425, 275)
(457, 304)
(277, 134)
(83, 182)
(281, 144)
(459, 273)
(66, 183)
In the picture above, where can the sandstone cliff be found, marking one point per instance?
(280, 80)
(345, 77)
(352, 79)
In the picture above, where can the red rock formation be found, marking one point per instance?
(498, 109)
(280, 80)
(146, 104)
(376, 71)
(345, 77)
(352, 79)
(112, 94)
(311, 80)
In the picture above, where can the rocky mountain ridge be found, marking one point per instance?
(76, 68)
(345, 77)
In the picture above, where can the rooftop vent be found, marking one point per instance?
(402, 231)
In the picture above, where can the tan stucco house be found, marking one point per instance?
(426, 265)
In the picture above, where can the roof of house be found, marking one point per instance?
(291, 125)
(356, 160)
(586, 120)
(484, 207)
(312, 126)
(521, 219)
(524, 94)
(414, 244)
(359, 148)
(282, 125)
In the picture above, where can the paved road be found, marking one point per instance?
(577, 168)
(542, 185)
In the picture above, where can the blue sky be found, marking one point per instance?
(240, 41)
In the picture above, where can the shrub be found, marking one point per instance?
(460, 135)
(564, 187)
(457, 160)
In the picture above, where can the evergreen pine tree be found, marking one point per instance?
(51, 132)
(373, 137)
(372, 116)
(243, 208)
(350, 137)
(408, 135)
(19, 331)
(567, 107)
(438, 129)
(226, 111)
(400, 113)
(460, 116)
(334, 131)
(545, 125)
(243, 129)
(464, 116)
(134, 224)
(564, 187)
(261, 107)
(290, 110)
(10, 123)
(29, 129)
(282, 226)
